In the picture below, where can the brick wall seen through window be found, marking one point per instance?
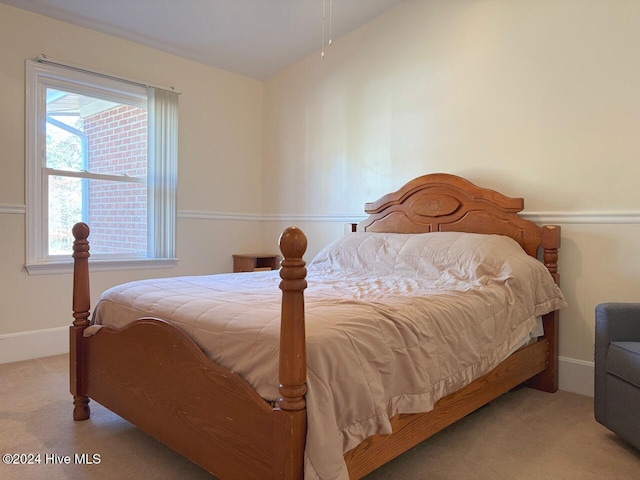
(117, 141)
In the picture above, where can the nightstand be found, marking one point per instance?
(250, 262)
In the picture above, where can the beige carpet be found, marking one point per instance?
(522, 435)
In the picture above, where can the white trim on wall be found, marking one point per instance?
(9, 208)
(538, 217)
(272, 217)
(576, 376)
(15, 347)
(201, 215)
(336, 218)
(583, 217)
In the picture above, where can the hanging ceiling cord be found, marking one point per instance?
(324, 18)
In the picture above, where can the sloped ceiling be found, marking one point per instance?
(255, 38)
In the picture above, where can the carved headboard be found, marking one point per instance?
(441, 202)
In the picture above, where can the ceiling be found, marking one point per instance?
(255, 38)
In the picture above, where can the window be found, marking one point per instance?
(103, 151)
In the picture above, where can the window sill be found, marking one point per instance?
(98, 265)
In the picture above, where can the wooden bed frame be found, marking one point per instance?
(156, 377)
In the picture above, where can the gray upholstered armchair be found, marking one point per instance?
(617, 369)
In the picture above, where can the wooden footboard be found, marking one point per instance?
(155, 376)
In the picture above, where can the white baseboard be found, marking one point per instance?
(575, 376)
(16, 347)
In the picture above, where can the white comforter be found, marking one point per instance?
(394, 323)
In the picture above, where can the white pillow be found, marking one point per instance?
(446, 260)
(424, 255)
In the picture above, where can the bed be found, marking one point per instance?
(236, 424)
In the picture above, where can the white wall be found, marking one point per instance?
(535, 99)
(219, 191)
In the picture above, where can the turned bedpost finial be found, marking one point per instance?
(550, 244)
(293, 354)
(80, 231)
(293, 244)
(81, 306)
(81, 295)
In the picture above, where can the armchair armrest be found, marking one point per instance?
(617, 322)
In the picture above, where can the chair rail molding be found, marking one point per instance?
(9, 208)
(583, 217)
(573, 217)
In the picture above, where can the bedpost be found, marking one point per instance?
(293, 358)
(81, 306)
(547, 380)
(293, 354)
(550, 244)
